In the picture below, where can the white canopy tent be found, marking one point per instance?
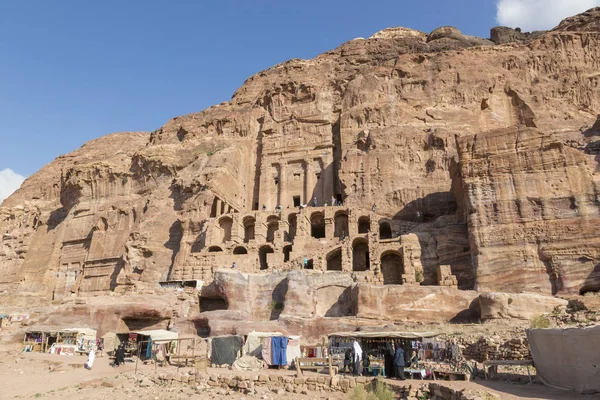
(158, 334)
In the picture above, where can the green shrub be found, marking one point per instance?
(275, 306)
(419, 276)
(510, 300)
(540, 322)
(378, 390)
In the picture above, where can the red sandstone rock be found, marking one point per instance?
(479, 157)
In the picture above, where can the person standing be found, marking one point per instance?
(233, 265)
(120, 355)
(357, 358)
(315, 201)
(399, 363)
(91, 358)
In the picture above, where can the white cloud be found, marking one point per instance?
(9, 182)
(531, 15)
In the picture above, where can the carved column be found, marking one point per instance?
(219, 206)
(309, 181)
(282, 185)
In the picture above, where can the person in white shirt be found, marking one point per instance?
(91, 358)
(357, 357)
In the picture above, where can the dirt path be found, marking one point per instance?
(35, 375)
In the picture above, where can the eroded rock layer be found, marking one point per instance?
(461, 162)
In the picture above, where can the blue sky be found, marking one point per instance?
(71, 71)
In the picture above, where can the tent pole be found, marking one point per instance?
(178, 355)
(193, 350)
(138, 357)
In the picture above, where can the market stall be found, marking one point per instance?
(38, 341)
(379, 348)
(73, 340)
(157, 344)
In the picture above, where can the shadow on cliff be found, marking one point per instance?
(174, 243)
(428, 208)
(278, 299)
(471, 314)
(345, 306)
(435, 213)
(56, 218)
(324, 190)
(592, 282)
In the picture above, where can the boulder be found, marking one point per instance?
(517, 305)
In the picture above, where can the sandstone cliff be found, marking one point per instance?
(478, 156)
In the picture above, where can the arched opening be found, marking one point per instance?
(262, 256)
(385, 230)
(391, 268)
(226, 223)
(364, 225)
(212, 303)
(334, 260)
(214, 249)
(292, 222)
(340, 224)
(240, 250)
(360, 255)
(317, 225)
(249, 225)
(286, 252)
(272, 227)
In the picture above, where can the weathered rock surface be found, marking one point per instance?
(447, 150)
(517, 305)
(504, 34)
(532, 201)
(416, 303)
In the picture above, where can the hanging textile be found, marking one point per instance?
(293, 349)
(278, 349)
(267, 355)
(225, 349)
(149, 348)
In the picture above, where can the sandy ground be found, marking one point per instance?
(35, 375)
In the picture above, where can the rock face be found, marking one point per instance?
(517, 305)
(532, 201)
(504, 34)
(459, 162)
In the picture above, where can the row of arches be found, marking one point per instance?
(391, 261)
(317, 224)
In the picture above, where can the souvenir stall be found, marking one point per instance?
(379, 347)
(74, 340)
(156, 344)
(38, 341)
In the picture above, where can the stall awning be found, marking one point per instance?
(158, 334)
(87, 333)
(393, 335)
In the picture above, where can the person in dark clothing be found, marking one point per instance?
(365, 363)
(120, 355)
(388, 356)
(414, 359)
(348, 360)
(399, 363)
